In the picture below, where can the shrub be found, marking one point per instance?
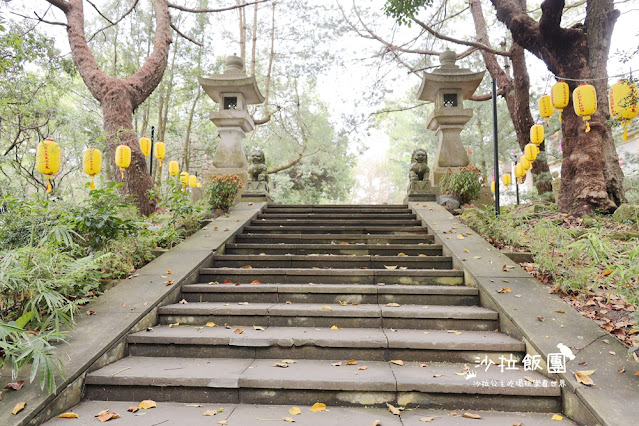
(462, 183)
(222, 189)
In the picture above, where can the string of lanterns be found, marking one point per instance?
(49, 155)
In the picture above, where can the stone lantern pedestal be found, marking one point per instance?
(233, 91)
(447, 86)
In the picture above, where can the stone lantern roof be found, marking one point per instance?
(449, 76)
(235, 80)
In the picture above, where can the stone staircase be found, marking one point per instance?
(351, 306)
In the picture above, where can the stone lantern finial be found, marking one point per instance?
(234, 65)
(448, 58)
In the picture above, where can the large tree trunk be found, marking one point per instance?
(517, 95)
(591, 176)
(120, 97)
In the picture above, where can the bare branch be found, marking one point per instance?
(124, 15)
(223, 9)
(185, 36)
(63, 5)
(100, 12)
(39, 19)
(458, 41)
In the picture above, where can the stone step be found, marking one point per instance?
(331, 261)
(339, 206)
(332, 293)
(334, 229)
(336, 222)
(223, 380)
(388, 215)
(324, 343)
(337, 249)
(333, 276)
(179, 414)
(316, 315)
(343, 239)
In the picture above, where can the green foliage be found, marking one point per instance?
(463, 183)
(221, 191)
(404, 10)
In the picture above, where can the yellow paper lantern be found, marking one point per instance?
(160, 152)
(184, 179)
(530, 152)
(545, 108)
(145, 146)
(506, 179)
(537, 134)
(623, 99)
(123, 158)
(199, 185)
(174, 168)
(525, 163)
(92, 163)
(48, 158)
(560, 96)
(492, 186)
(584, 100)
(192, 181)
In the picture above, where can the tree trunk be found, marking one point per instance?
(591, 178)
(120, 97)
(186, 157)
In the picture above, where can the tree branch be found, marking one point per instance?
(458, 41)
(39, 19)
(63, 5)
(223, 9)
(124, 15)
(100, 12)
(185, 36)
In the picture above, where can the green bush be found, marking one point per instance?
(221, 191)
(462, 183)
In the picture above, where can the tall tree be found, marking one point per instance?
(590, 174)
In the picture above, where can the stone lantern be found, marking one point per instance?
(448, 86)
(233, 91)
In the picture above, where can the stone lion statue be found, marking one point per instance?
(257, 167)
(419, 166)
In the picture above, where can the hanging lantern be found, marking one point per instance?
(123, 158)
(519, 171)
(192, 181)
(525, 163)
(584, 100)
(560, 96)
(537, 134)
(199, 185)
(492, 186)
(92, 163)
(174, 168)
(545, 108)
(160, 152)
(48, 157)
(184, 179)
(145, 146)
(623, 102)
(530, 152)
(506, 179)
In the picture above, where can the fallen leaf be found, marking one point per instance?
(108, 416)
(168, 271)
(397, 362)
(351, 362)
(471, 416)
(612, 352)
(288, 361)
(390, 267)
(102, 412)
(437, 375)
(377, 423)
(401, 254)
(427, 419)
(15, 385)
(476, 257)
(247, 267)
(288, 419)
(517, 295)
(460, 236)
(169, 282)
(334, 327)
(542, 319)
(362, 367)
(133, 409)
(466, 251)
(210, 413)
(327, 308)
(505, 290)
(343, 303)
(393, 305)
(222, 422)
(281, 365)
(423, 365)
(317, 407)
(210, 324)
(183, 302)
(396, 411)
(90, 312)
(583, 377)
(193, 405)
(295, 411)
(621, 370)
(255, 282)
(530, 379)
(69, 416)
(258, 328)
(174, 325)
(559, 311)
(242, 303)
(147, 403)
(556, 417)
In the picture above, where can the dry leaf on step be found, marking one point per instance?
(334, 327)
(397, 362)
(504, 290)
(427, 419)
(238, 331)
(377, 423)
(258, 328)
(288, 419)
(210, 324)
(174, 325)
(133, 409)
(471, 416)
(288, 361)
(557, 417)
(337, 364)
(247, 267)
(393, 305)
(108, 416)
(390, 267)
(318, 406)
(460, 236)
(147, 403)
(210, 413)
(327, 308)
(396, 411)
(69, 416)
(281, 365)
(295, 411)
(583, 377)
(351, 362)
